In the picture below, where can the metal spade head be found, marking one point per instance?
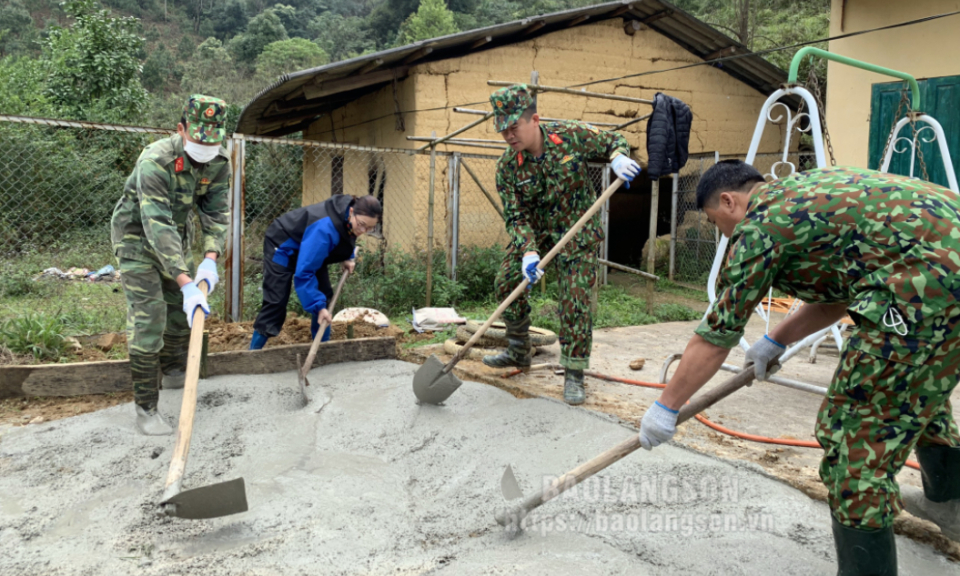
(211, 501)
(431, 385)
(302, 379)
(509, 486)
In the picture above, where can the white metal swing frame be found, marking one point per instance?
(814, 341)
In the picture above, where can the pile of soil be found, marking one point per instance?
(296, 330)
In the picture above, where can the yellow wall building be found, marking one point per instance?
(649, 38)
(861, 105)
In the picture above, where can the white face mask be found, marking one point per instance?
(199, 152)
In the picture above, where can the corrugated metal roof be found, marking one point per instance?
(296, 100)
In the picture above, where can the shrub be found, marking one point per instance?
(36, 334)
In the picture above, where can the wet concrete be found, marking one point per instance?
(375, 484)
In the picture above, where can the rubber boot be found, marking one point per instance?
(173, 360)
(151, 423)
(258, 341)
(865, 552)
(519, 349)
(939, 501)
(573, 392)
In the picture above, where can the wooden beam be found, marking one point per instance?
(478, 43)
(370, 67)
(425, 51)
(616, 266)
(578, 20)
(114, 376)
(572, 92)
(657, 16)
(314, 91)
(298, 93)
(721, 53)
(534, 27)
(631, 27)
(621, 10)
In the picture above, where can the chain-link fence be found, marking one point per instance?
(59, 182)
(695, 240)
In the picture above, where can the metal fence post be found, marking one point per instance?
(673, 225)
(654, 204)
(233, 258)
(453, 216)
(605, 219)
(433, 173)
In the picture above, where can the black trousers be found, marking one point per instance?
(277, 283)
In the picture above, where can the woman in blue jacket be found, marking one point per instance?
(300, 245)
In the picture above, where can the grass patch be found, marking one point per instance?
(36, 334)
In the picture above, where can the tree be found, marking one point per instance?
(209, 70)
(265, 28)
(341, 37)
(160, 68)
(229, 20)
(92, 66)
(286, 56)
(16, 26)
(432, 19)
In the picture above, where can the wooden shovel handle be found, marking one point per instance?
(543, 263)
(591, 467)
(323, 326)
(188, 407)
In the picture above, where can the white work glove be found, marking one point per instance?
(192, 299)
(530, 270)
(763, 356)
(625, 168)
(207, 270)
(657, 426)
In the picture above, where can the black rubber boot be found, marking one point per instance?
(573, 392)
(939, 502)
(518, 352)
(173, 360)
(865, 552)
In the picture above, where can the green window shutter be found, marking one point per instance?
(939, 98)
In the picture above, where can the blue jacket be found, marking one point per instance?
(313, 236)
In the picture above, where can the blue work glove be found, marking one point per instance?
(625, 168)
(193, 298)
(530, 270)
(657, 426)
(207, 270)
(763, 357)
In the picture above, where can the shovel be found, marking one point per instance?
(512, 517)
(211, 501)
(433, 383)
(302, 372)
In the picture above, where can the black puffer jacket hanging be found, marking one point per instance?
(668, 135)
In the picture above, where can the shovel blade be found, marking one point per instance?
(302, 380)
(212, 501)
(431, 385)
(509, 486)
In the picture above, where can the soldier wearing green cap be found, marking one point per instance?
(151, 233)
(545, 188)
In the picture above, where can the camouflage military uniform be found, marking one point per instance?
(542, 199)
(888, 246)
(150, 235)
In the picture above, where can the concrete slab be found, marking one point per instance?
(375, 484)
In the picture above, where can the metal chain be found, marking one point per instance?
(896, 118)
(813, 85)
(918, 145)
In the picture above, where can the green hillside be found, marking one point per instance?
(133, 61)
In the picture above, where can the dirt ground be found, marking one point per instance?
(763, 409)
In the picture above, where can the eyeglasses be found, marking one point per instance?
(363, 227)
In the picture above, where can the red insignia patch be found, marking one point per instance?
(178, 165)
(555, 139)
(520, 158)
(210, 112)
(204, 181)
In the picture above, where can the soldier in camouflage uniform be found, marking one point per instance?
(545, 188)
(173, 178)
(884, 249)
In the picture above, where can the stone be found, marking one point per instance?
(638, 364)
(108, 341)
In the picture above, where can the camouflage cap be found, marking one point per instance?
(206, 118)
(509, 104)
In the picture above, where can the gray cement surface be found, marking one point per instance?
(375, 484)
